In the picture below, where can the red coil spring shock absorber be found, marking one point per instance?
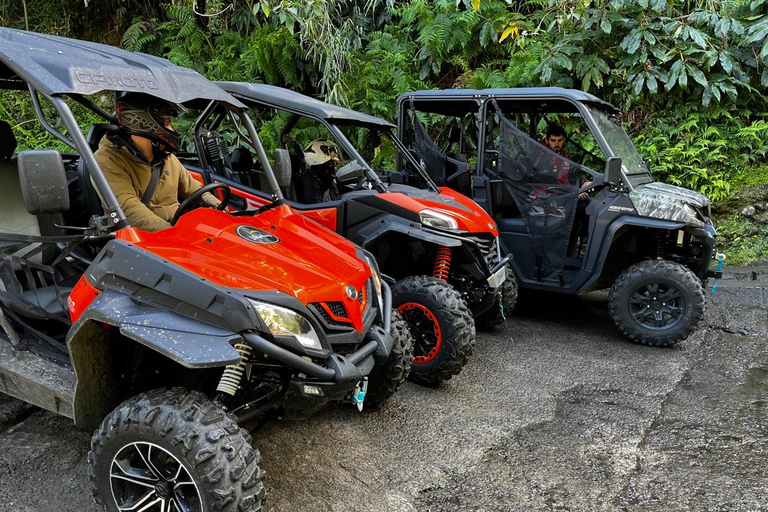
(442, 263)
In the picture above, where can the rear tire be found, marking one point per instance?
(441, 324)
(657, 302)
(386, 380)
(168, 445)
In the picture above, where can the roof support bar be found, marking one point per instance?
(114, 213)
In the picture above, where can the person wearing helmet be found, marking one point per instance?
(139, 163)
(317, 183)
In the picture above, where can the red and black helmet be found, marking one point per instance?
(145, 115)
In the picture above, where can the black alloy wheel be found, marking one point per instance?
(174, 451)
(657, 302)
(144, 476)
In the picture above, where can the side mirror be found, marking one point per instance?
(43, 181)
(283, 167)
(612, 175)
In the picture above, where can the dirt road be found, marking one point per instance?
(561, 415)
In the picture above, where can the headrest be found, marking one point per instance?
(96, 132)
(7, 141)
(282, 168)
(242, 161)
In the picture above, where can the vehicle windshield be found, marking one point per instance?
(621, 145)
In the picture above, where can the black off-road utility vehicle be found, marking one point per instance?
(437, 248)
(164, 342)
(650, 242)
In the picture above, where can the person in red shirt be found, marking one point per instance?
(555, 140)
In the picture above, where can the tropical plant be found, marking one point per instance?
(641, 51)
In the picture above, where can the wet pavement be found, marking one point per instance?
(561, 415)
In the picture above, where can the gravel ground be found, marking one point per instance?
(561, 415)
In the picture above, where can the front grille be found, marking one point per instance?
(337, 308)
(336, 315)
(318, 309)
(488, 246)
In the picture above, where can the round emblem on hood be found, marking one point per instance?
(351, 292)
(256, 235)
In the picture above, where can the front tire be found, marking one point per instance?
(657, 302)
(386, 380)
(169, 448)
(442, 326)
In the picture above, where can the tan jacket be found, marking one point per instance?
(128, 176)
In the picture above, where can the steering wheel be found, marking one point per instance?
(194, 198)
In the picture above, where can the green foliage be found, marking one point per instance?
(642, 50)
(382, 72)
(17, 110)
(743, 241)
(453, 38)
(690, 74)
(221, 50)
(752, 177)
(703, 150)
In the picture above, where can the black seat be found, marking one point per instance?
(97, 132)
(241, 161)
(46, 298)
(514, 225)
(91, 200)
(298, 164)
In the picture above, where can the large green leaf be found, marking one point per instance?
(652, 84)
(697, 37)
(696, 74)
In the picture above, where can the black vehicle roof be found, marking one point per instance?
(57, 65)
(285, 98)
(444, 101)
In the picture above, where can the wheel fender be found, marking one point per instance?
(598, 259)
(411, 229)
(187, 342)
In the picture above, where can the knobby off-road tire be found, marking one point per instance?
(441, 324)
(183, 437)
(657, 302)
(488, 320)
(387, 379)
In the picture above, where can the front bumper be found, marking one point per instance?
(706, 236)
(316, 385)
(714, 274)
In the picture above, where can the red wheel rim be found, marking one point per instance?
(425, 329)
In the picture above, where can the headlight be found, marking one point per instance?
(437, 220)
(376, 277)
(286, 322)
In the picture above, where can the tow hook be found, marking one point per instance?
(358, 395)
(719, 273)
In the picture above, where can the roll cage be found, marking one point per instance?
(55, 68)
(331, 117)
(534, 101)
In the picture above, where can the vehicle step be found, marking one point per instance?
(36, 380)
